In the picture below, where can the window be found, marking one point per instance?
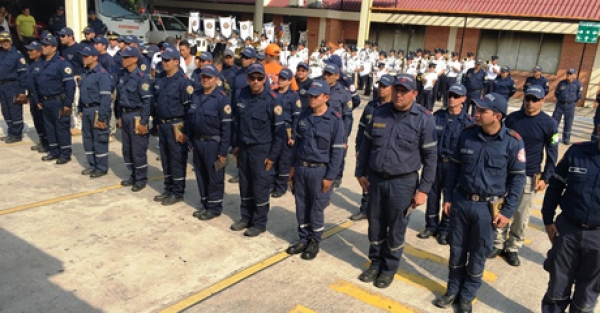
(168, 23)
(520, 50)
(397, 37)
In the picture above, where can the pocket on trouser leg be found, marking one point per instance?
(103, 137)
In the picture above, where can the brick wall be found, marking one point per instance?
(333, 32)
(312, 27)
(436, 37)
(471, 41)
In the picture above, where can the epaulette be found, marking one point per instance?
(223, 93)
(424, 110)
(102, 70)
(61, 58)
(469, 117)
(295, 92)
(141, 73)
(273, 94)
(515, 134)
(185, 76)
(336, 114)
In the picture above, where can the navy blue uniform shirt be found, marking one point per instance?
(365, 119)
(448, 128)
(504, 86)
(320, 139)
(98, 26)
(539, 133)
(56, 23)
(134, 91)
(229, 72)
(13, 67)
(488, 165)
(399, 143)
(71, 54)
(474, 80)
(303, 88)
(34, 69)
(542, 82)
(210, 115)
(290, 102)
(173, 95)
(568, 92)
(340, 100)
(575, 187)
(108, 63)
(96, 86)
(56, 78)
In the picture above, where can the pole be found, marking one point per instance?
(462, 40)
(581, 60)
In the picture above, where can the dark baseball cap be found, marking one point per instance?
(249, 52)
(88, 30)
(227, 53)
(319, 87)
(302, 65)
(170, 54)
(478, 62)
(209, 70)
(493, 101)
(334, 59)
(261, 56)
(537, 68)
(331, 68)
(286, 73)
(505, 69)
(34, 45)
(65, 31)
(458, 89)
(406, 80)
(49, 40)
(536, 91)
(131, 52)
(256, 68)
(88, 50)
(101, 40)
(206, 56)
(571, 71)
(386, 80)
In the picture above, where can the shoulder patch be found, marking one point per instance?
(141, 74)
(515, 134)
(102, 70)
(145, 86)
(223, 93)
(273, 94)
(350, 104)
(521, 155)
(190, 89)
(68, 70)
(337, 114)
(227, 109)
(298, 103)
(61, 58)
(143, 67)
(23, 61)
(278, 110)
(469, 117)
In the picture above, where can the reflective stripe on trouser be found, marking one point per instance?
(516, 236)
(310, 202)
(388, 202)
(432, 213)
(38, 122)
(471, 237)
(12, 113)
(135, 148)
(211, 184)
(57, 128)
(340, 174)
(282, 168)
(568, 110)
(573, 259)
(173, 157)
(95, 141)
(255, 184)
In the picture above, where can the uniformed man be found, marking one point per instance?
(172, 94)
(488, 167)
(536, 79)
(94, 112)
(469, 62)
(453, 69)
(259, 138)
(133, 107)
(34, 49)
(398, 141)
(493, 69)
(293, 59)
(113, 43)
(70, 51)
(504, 84)
(441, 67)
(385, 95)
(290, 102)
(13, 72)
(340, 49)
(57, 21)
(411, 67)
(248, 57)
(429, 80)
(55, 89)
(365, 79)
(209, 129)
(567, 93)
(303, 83)
(90, 35)
(317, 155)
(340, 100)
(143, 64)
(474, 80)
(229, 67)
(353, 65)
(107, 62)
(572, 261)
(540, 134)
(303, 52)
(96, 24)
(449, 123)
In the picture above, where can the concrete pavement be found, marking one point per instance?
(73, 244)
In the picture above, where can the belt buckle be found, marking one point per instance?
(475, 197)
(586, 226)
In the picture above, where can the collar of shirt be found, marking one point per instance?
(499, 136)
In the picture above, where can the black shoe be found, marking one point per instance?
(97, 174)
(197, 213)
(369, 275)
(337, 183)
(171, 200)
(239, 225)
(234, 179)
(358, 216)
(43, 149)
(49, 157)
(444, 301)
(465, 306)
(296, 248)
(87, 171)
(206, 215)
(253, 232)
(496, 252)
(13, 139)
(441, 239)
(565, 142)
(513, 258)
(383, 281)
(36, 147)
(311, 251)
(128, 182)
(162, 197)
(63, 161)
(425, 234)
(277, 194)
(138, 186)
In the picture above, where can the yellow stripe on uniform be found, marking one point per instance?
(242, 275)
(301, 309)
(371, 298)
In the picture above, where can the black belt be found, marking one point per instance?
(389, 176)
(129, 110)
(583, 226)
(310, 164)
(203, 137)
(444, 160)
(476, 197)
(91, 105)
(6, 81)
(171, 120)
(586, 226)
(50, 97)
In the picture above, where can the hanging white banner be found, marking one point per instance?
(245, 30)
(225, 23)
(194, 22)
(209, 27)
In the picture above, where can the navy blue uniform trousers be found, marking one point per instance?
(282, 167)
(12, 113)
(173, 157)
(95, 141)
(38, 122)
(573, 259)
(432, 213)
(135, 148)
(255, 184)
(389, 200)
(310, 201)
(58, 129)
(211, 183)
(568, 110)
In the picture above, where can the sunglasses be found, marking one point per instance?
(126, 57)
(531, 99)
(63, 36)
(455, 96)
(167, 60)
(256, 78)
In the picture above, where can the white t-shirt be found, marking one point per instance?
(292, 62)
(367, 66)
(490, 71)
(467, 65)
(112, 51)
(452, 65)
(429, 80)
